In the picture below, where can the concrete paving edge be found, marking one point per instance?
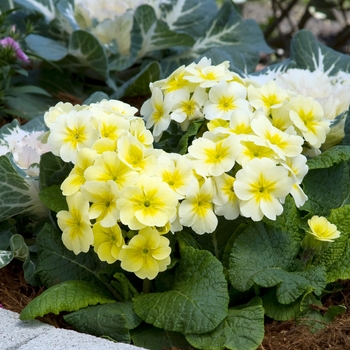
(34, 335)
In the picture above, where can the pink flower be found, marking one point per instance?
(8, 41)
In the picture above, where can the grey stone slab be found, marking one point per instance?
(34, 335)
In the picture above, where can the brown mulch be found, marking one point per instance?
(16, 293)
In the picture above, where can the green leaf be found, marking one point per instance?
(53, 198)
(53, 170)
(326, 189)
(198, 300)
(151, 34)
(337, 257)
(265, 256)
(57, 264)
(89, 52)
(138, 85)
(97, 96)
(66, 296)
(330, 157)
(44, 7)
(278, 311)
(46, 48)
(310, 54)
(108, 320)
(243, 329)
(152, 338)
(189, 134)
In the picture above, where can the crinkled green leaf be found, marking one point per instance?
(65, 296)
(198, 300)
(265, 256)
(242, 329)
(53, 198)
(108, 320)
(89, 52)
(57, 264)
(310, 54)
(337, 256)
(330, 157)
(191, 132)
(326, 189)
(152, 338)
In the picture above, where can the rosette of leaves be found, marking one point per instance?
(183, 32)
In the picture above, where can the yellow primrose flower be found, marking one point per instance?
(308, 117)
(75, 224)
(70, 133)
(225, 200)
(117, 108)
(187, 106)
(282, 143)
(322, 229)
(107, 167)
(213, 157)
(261, 185)
(75, 179)
(108, 242)
(176, 81)
(135, 155)
(110, 126)
(156, 112)
(103, 196)
(140, 132)
(224, 98)
(196, 210)
(267, 96)
(176, 171)
(147, 254)
(150, 202)
(206, 75)
(250, 150)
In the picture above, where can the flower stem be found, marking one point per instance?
(146, 286)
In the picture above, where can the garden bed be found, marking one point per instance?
(16, 293)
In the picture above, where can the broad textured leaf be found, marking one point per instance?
(45, 7)
(330, 157)
(108, 320)
(266, 257)
(89, 52)
(243, 329)
(310, 54)
(53, 198)
(66, 296)
(57, 264)
(46, 48)
(151, 34)
(336, 258)
(152, 338)
(198, 300)
(326, 189)
(278, 311)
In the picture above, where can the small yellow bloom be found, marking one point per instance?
(147, 254)
(322, 229)
(108, 242)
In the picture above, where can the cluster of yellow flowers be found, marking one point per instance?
(246, 164)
